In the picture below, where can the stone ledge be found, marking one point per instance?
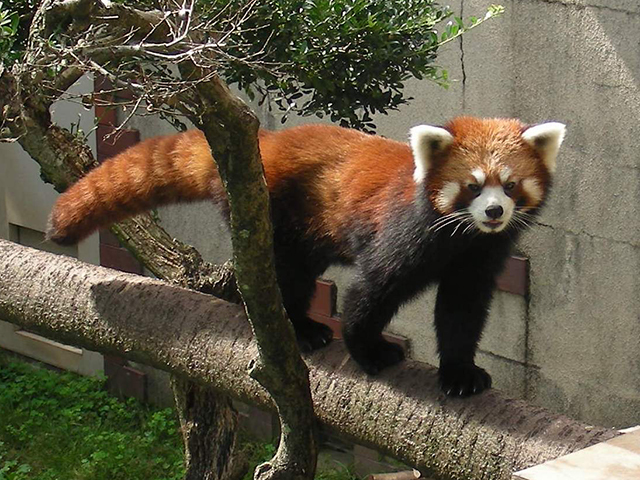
(616, 459)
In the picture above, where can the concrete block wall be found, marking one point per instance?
(579, 61)
(573, 344)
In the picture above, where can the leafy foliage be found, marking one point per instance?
(341, 59)
(9, 22)
(59, 425)
(346, 59)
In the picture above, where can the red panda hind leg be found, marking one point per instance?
(297, 269)
(369, 306)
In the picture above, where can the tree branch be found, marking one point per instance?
(65, 158)
(252, 235)
(231, 129)
(401, 412)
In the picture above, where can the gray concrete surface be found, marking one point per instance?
(574, 344)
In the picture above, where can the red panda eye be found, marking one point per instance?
(474, 187)
(509, 185)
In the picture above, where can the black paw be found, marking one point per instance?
(312, 335)
(463, 379)
(379, 356)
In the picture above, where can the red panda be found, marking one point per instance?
(444, 209)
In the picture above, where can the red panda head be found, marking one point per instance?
(486, 173)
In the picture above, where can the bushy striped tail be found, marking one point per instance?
(158, 171)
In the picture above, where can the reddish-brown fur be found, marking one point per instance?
(489, 145)
(339, 195)
(154, 172)
(346, 173)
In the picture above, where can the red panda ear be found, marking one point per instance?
(425, 141)
(546, 139)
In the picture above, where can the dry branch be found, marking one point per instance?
(64, 158)
(400, 412)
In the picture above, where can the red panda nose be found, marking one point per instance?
(494, 212)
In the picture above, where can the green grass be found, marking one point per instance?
(258, 453)
(343, 473)
(62, 426)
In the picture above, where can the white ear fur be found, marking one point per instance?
(546, 138)
(425, 140)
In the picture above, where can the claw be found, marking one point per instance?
(463, 379)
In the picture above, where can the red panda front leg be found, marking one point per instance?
(462, 306)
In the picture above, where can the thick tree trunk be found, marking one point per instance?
(232, 128)
(64, 158)
(209, 429)
(401, 412)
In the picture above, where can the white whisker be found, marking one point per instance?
(446, 224)
(520, 222)
(457, 227)
(448, 219)
(455, 214)
(525, 220)
(469, 228)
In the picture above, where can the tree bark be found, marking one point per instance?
(401, 412)
(209, 430)
(231, 129)
(64, 158)
(404, 475)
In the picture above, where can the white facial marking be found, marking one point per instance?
(479, 176)
(491, 197)
(534, 191)
(446, 197)
(546, 139)
(425, 140)
(505, 173)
